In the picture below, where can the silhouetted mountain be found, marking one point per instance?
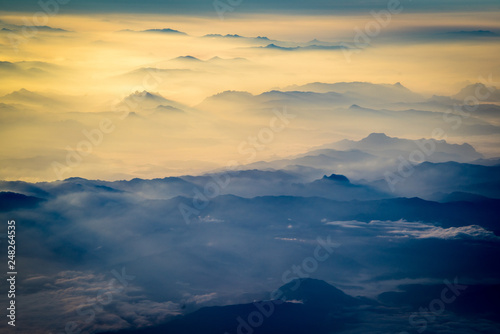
(223, 36)
(318, 294)
(227, 61)
(25, 96)
(232, 101)
(337, 187)
(273, 46)
(472, 91)
(258, 39)
(188, 58)
(146, 101)
(433, 150)
(231, 208)
(317, 42)
(318, 307)
(168, 109)
(487, 162)
(428, 178)
(337, 178)
(10, 201)
(314, 307)
(459, 197)
(166, 31)
(393, 93)
(24, 188)
(315, 163)
(298, 97)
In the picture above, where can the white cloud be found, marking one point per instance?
(471, 231)
(416, 230)
(295, 301)
(94, 302)
(198, 299)
(209, 219)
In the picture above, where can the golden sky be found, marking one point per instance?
(74, 77)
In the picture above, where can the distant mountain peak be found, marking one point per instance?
(377, 136)
(316, 292)
(336, 178)
(224, 36)
(219, 59)
(188, 57)
(142, 100)
(24, 93)
(168, 109)
(277, 47)
(145, 94)
(318, 42)
(232, 93)
(393, 146)
(75, 179)
(472, 89)
(166, 30)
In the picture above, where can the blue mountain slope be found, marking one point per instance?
(10, 201)
(315, 307)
